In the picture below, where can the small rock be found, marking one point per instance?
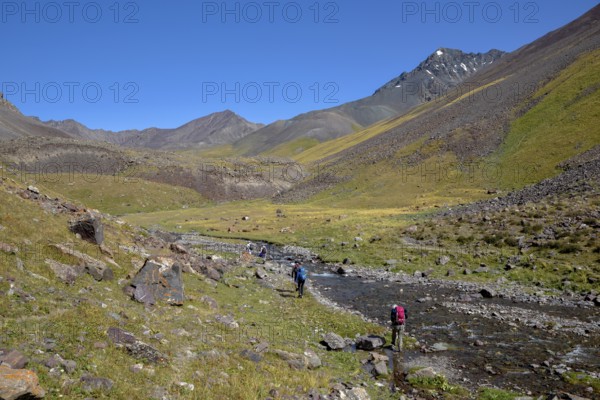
(380, 368)
(261, 347)
(14, 359)
(178, 248)
(91, 384)
(261, 273)
(136, 368)
(251, 355)
(311, 359)
(443, 260)
(212, 303)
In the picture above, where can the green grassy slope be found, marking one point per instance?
(564, 123)
(40, 316)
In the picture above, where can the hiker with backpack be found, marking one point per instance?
(263, 252)
(301, 276)
(295, 266)
(398, 318)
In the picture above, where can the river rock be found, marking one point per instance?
(370, 342)
(440, 347)
(333, 341)
(19, 384)
(342, 270)
(488, 293)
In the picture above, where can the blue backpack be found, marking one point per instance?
(302, 274)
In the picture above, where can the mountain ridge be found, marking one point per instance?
(217, 128)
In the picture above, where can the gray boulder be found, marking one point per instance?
(333, 341)
(370, 342)
(158, 282)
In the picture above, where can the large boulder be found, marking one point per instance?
(19, 384)
(370, 342)
(333, 341)
(157, 281)
(89, 227)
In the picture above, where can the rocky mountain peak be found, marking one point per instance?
(444, 68)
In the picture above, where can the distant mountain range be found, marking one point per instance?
(443, 70)
(214, 129)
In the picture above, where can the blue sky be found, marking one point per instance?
(131, 64)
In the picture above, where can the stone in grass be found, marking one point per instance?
(251, 355)
(91, 383)
(13, 359)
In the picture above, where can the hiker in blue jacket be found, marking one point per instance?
(301, 276)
